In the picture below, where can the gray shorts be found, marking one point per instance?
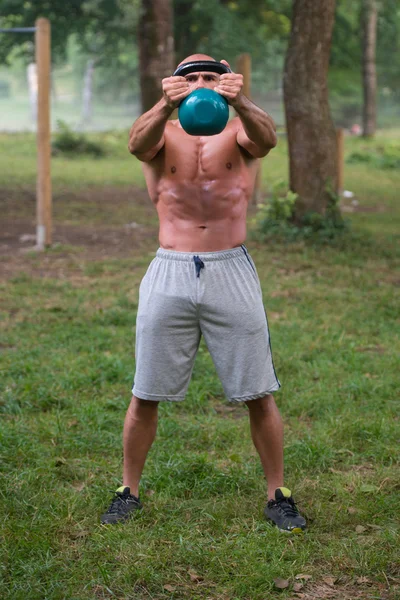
(215, 294)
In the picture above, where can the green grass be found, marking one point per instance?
(67, 365)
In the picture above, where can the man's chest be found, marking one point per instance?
(191, 157)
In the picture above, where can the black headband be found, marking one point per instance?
(201, 65)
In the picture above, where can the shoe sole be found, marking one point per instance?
(295, 530)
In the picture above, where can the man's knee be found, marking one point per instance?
(141, 409)
(261, 405)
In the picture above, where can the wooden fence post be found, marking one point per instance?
(243, 66)
(43, 186)
(340, 160)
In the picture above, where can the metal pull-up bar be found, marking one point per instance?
(43, 182)
(19, 30)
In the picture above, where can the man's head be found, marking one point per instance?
(201, 79)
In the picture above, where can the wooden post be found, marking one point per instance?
(243, 66)
(43, 186)
(340, 160)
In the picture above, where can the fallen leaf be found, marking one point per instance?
(351, 510)
(329, 581)
(372, 526)
(302, 576)
(297, 587)
(379, 349)
(149, 492)
(281, 584)
(383, 483)
(361, 580)
(360, 529)
(169, 588)
(78, 486)
(194, 576)
(368, 488)
(79, 534)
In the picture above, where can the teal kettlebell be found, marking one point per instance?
(203, 112)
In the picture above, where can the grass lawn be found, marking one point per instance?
(67, 326)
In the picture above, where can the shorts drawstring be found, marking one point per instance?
(199, 264)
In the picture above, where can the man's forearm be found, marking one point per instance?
(257, 124)
(147, 131)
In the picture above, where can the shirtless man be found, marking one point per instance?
(203, 282)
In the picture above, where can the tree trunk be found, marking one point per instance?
(156, 49)
(310, 130)
(369, 21)
(87, 92)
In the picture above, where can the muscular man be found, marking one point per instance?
(203, 282)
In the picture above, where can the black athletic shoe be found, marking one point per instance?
(283, 512)
(121, 507)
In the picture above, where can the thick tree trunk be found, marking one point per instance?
(156, 49)
(310, 130)
(369, 21)
(184, 38)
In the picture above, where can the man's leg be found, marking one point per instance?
(267, 434)
(139, 432)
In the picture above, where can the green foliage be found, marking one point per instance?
(275, 219)
(99, 24)
(345, 96)
(346, 52)
(227, 29)
(280, 205)
(69, 143)
(381, 157)
(106, 30)
(346, 45)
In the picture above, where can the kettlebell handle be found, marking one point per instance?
(201, 65)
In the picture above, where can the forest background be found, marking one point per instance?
(95, 57)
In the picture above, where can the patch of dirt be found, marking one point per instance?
(361, 588)
(74, 244)
(235, 411)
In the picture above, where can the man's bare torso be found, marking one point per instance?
(201, 187)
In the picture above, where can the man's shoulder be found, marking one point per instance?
(172, 128)
(173, 124)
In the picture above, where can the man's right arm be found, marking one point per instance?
(146, 137)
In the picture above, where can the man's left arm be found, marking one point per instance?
(257, 133)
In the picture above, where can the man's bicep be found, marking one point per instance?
(245, 142)
(152, 153)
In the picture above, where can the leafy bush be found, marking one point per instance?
(379, 157)
(70, 143)
(275, 219)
